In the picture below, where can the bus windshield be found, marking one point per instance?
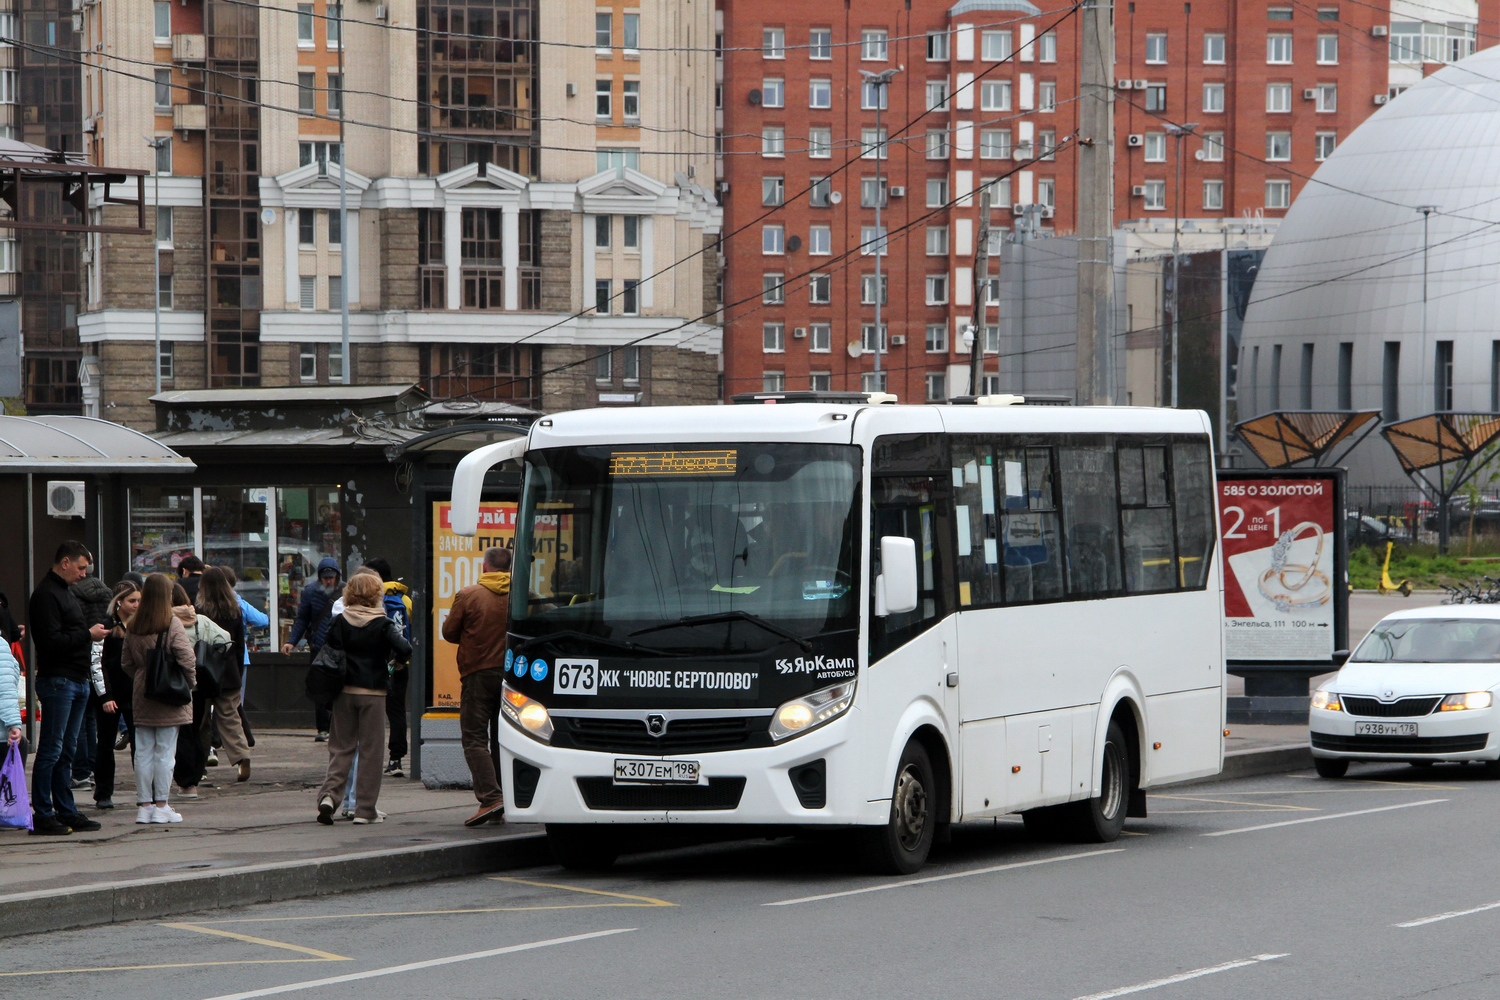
(696, 548)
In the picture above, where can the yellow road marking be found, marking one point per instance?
(640, 900)
(1259, 806)
(169, 965)
(324, 956)
(1382, 782)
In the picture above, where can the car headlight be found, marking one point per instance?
(526, 714)
(1328, 701)
(812, 710)
(1462, 702)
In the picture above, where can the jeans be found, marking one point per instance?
(155, 748)
(88, 739)
(349, 798)
(63, 708)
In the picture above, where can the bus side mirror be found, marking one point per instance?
(896, 587)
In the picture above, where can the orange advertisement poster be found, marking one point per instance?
(457, 562)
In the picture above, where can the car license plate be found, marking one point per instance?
(656, 772)
(1385, 729)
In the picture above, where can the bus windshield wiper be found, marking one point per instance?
(719, 617)
(568, 633)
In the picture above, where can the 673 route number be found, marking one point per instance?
(576, 677)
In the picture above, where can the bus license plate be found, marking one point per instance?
(1385, 729)
(656, 772)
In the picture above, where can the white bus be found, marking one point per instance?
(854, 614)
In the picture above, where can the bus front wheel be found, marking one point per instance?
(582, 847)
(901, 846)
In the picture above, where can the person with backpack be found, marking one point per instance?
(254, 618)
(115, 697)
(367, 641)
(191, 752)
(155, 640)
(314, 612)
(218, 604)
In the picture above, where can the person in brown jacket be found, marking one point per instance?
(477, 625)
(155, 722)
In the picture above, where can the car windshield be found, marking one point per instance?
(615, 540)
(1432, 640)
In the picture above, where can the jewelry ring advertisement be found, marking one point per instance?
(1279, 591)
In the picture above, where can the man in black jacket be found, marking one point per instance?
(63, 641)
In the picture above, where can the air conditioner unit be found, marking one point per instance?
(799, 333)
(572, 89)
(1135, 139)
(64, 499)
(1139, 191)
(1022, 151)
(723, 187)
(1123, 84)
(897, 191)
(382, 12)
(1048, 212)
(898, 340)
(1382, 98)
(1019, 208)
(1142, 84)
(1380, 31)
(1308, 93)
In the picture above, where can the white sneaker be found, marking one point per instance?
(145, 813)
(361, 821)
(161, 814)
(173, 816)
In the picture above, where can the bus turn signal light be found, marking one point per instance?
(1015, 769)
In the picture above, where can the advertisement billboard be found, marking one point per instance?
(457, 562)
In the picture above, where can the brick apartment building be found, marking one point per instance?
(1263, 92)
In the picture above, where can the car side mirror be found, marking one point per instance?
(896, 587)
(1340, 657)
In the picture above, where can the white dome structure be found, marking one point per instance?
(1336, 316)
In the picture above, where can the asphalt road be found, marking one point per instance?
(1381, 885)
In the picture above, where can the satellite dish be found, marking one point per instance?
(754, 96)
(793, 244)
(834, 197)
(267, 216)
(855, 349)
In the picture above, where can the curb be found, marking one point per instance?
(169, 895)
(1254, 763)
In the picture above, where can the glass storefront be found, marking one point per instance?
(161, 528)
(308, 526)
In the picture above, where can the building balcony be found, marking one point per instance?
(481, 287)
(189, 49)
(190, 117)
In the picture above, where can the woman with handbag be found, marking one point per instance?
(211, 645)
(158, 658)
(115, 699)
(218, 603)
(365, 640)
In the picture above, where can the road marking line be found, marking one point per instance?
(1319, 819)
(1183, 977)
(430, 963)
(942, 878)
(326, 956)
(639, 900)
(427, 913)
(1259, 806)
(167, 965)
(1449, 915)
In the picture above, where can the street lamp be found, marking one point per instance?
(880, 81)
(1179, 132)
(1426, 211)
(156, 145)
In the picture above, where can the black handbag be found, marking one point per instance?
(216, 668)
(327, 674)
(166, 681)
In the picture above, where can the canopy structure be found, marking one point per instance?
(81, 445)
(1285, 437)
(1455, 444)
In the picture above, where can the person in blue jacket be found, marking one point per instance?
(253, 618)
(314, 612)
(10, 697)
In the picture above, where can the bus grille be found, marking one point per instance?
(719, 793)
(1400, 744)
(1402, 708)
(682, 735)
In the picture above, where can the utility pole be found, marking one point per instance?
(981, 285)
(1094, 375)
(156, 145)
(1426, 211)
(881, 81)
(1179, 132)
(348, 372)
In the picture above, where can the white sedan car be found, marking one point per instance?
(1420, 688)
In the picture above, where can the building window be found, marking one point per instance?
(307, 362)
(937, 192)
(1046, 193)
(872, 192)
(1156, 147)
(772, 240)
(1213, 194)
(1213, 50)
(819, 289)
(1279, 14)
(820, 43)
(164, 291)
(1328, 13)
(604, 367)
(819, 143)
(821, 338)
(773, 43)
(1213, 97)
(603, 230)
(1328, 97)
(1346, 376)
(1275, 376)
(1156, 50)
(631, 224)
(1046, 144)
(937, 95)
(867, 338)
(603, 99)
(1046, 96)
(631, 360)
(773, 141)
(603, 295)
(1278, 98)
(307, 85)
(629, 297)
(994, 46)
(820, 93)
(1442, 377)
(1046, 47)
(165, 361)
(604, 32)
(773, 338)
(631, 25)
(773, 382)
(1305, 380)
(1156, 97)
(820, 381)
(163, 90)
(937, 338)
(333, 24)
(1278, 146)
(937, 46)
(164, 226)
(630, 100)
(868, 285)
(336, 292)
(772, 191)
(1328, 50)
(772, 92)
(306, 231)
(307, 292)
(874, 95)
(1278, 194)
(872, 144)
(9, 87)
(1323, 144)
(335, 93)
(772, 289)
(335, 228)
(1279, 50)
(994, 95)
(162, 22)
(872, 240)
(873, 381)
(937, 144)
(937, 387)
(873, 45)
(819, 241)
(1213, 147)
(323, 153)
(1390, 384)
(937, 241)
(818, 190)
(937, 289)
(613, 157)
(304, 24)
(1156, 195)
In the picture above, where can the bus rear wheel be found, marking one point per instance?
(1098, 820)
(582, 847)
(900, 847)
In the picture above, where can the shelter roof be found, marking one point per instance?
(82, 445)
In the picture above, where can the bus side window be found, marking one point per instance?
(1146, 519)
(1090, 518)
(907, 506)
(1032, 551)
(975, 522)
(1192, 488)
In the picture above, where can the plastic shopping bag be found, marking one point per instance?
(15, 804)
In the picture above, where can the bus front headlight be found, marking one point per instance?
(812, 710)
(526, 714)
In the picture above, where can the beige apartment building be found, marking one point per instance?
(529, 217)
